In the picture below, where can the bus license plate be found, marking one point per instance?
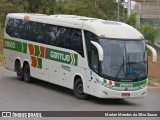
(125, 94)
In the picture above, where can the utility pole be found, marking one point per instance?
(129, 8)
(118, 10)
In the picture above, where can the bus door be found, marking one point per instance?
(92, 79)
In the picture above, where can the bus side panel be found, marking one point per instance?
(54, 71)
(41, 70)
(92, 82)
(7, 58)
(82, 73)
(65, 75)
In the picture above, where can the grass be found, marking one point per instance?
(152, 78)
(1, 55)
(1, 30)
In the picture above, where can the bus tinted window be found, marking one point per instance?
(77, 44)
(59, 36)
(9, 27)
(91, 50)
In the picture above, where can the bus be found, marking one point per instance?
(101, 58)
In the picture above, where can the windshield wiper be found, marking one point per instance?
(117, 74)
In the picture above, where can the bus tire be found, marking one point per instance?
(78, 89)
(19, 71)
(26, 73)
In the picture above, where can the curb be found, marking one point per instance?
(154, 84)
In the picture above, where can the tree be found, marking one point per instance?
(148, 31)
(11, 6)
(77, 7)
(131, 20)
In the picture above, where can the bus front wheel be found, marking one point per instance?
(26, 73)
(78, 90)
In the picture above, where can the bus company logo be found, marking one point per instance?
(60, 56)
(126, 85)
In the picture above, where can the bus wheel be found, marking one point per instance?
(19, 71)
(78, 90)
(26, 73)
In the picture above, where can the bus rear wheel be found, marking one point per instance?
(19, 71)
(26, 73)
(78, 90)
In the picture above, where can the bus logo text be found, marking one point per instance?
(60, 56)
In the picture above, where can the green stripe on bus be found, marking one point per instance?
(24, 47)
(51, 54)
(36, 50)
(39, 63)
(133, 84)
(13, 45)
(76, 59)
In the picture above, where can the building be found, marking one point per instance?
(148, 11)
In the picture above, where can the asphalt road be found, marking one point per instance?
(17, 95)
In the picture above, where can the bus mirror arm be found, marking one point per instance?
(154, 53)
(100, 50)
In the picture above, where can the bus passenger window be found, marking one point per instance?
(77, 44)
(60, 39)
(9, 27)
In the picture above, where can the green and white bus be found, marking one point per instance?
(106, 59)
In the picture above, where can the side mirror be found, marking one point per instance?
(100, 50)
(154, 53)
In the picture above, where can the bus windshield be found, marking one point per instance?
(124, 60)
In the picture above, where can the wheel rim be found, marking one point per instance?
(80, 89)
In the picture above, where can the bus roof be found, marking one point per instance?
(102, 28)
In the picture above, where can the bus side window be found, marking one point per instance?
(94, 58)
(91, 50)
(68, 38)
(39, 32)
(9, 27)
(49, 34)
(60, 39)
(77, 43)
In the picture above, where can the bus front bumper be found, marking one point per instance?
(109, 93)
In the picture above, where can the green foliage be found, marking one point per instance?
(1, 31)
(104, 9)
(1, 55)
(149, 32)
(110, 8)
(131, 20)
(80, 8)
(11, 6)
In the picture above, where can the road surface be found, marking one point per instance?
(17, 95)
